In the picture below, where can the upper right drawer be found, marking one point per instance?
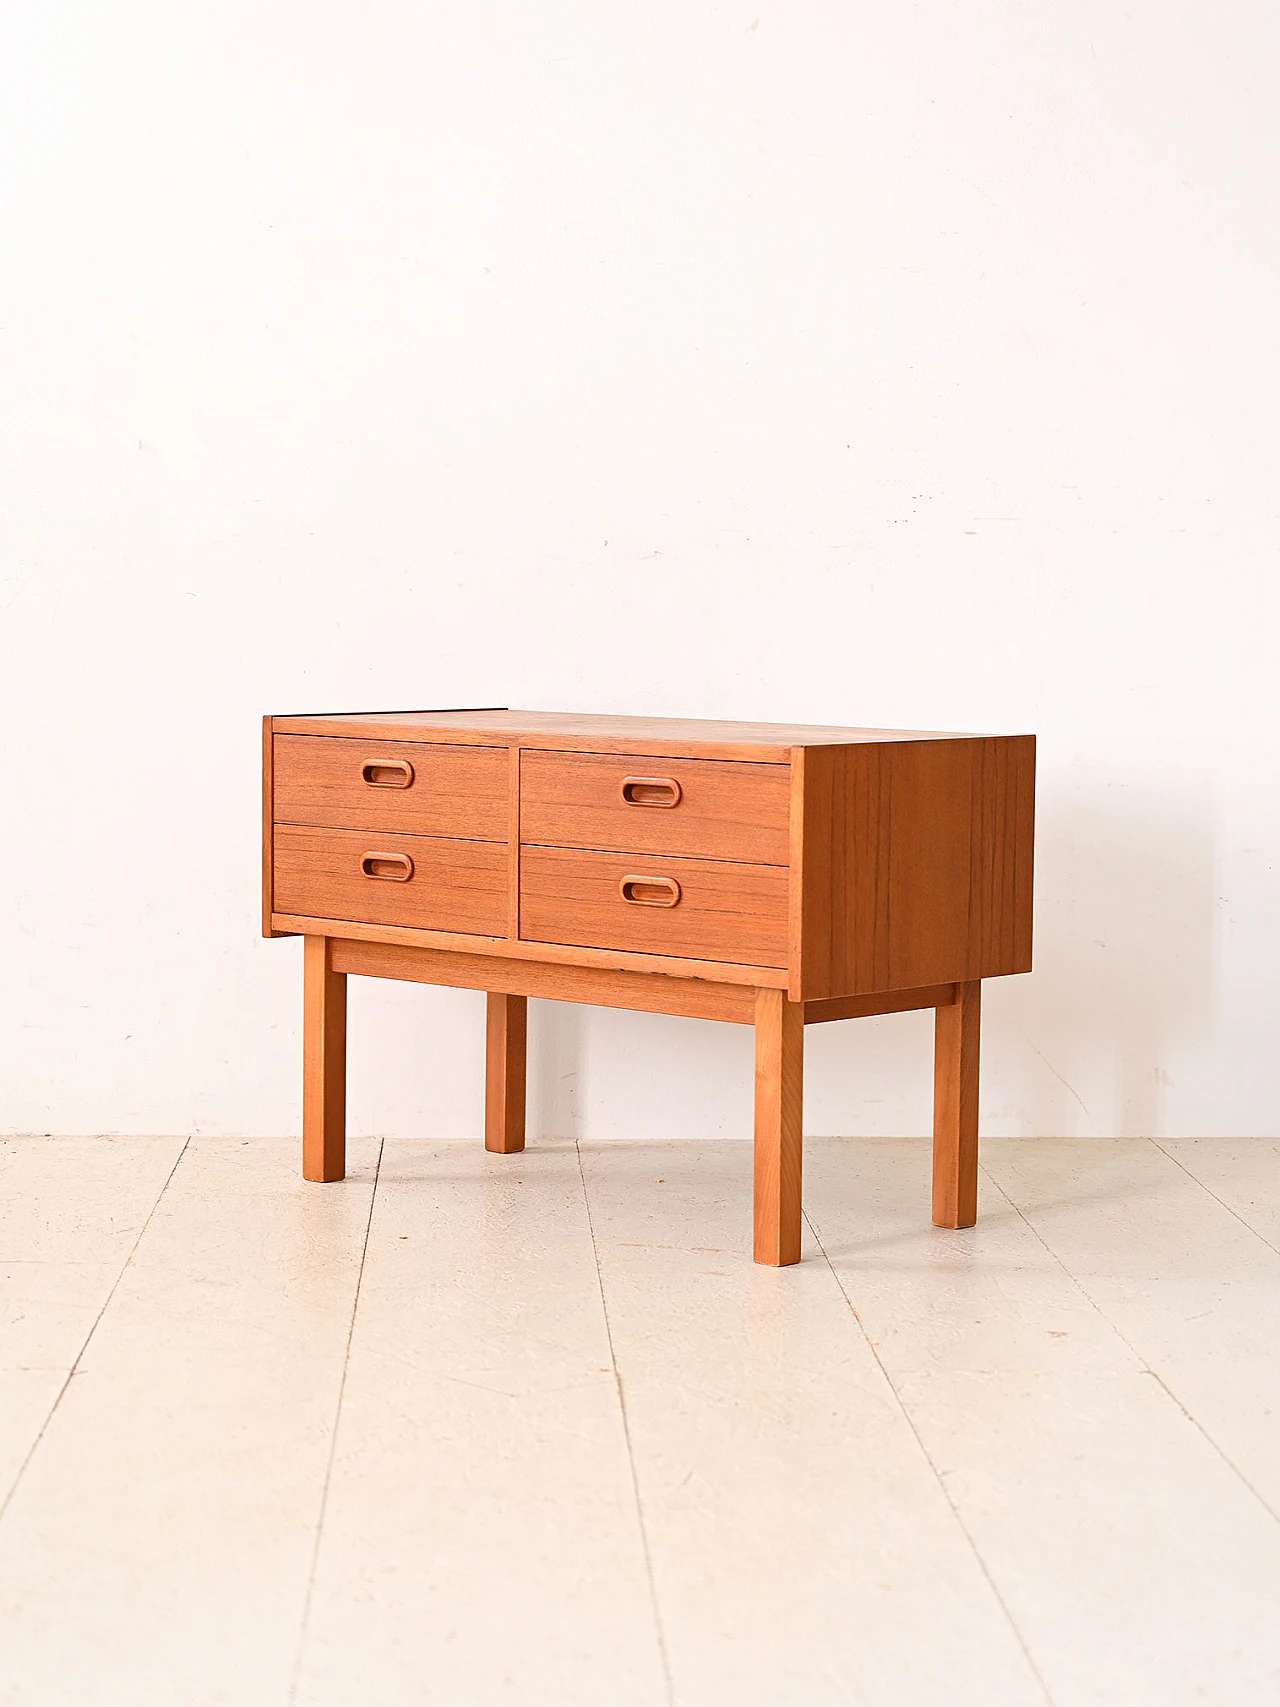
(707, 808)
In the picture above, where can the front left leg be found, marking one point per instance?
(324, 1063)
(779, 1098)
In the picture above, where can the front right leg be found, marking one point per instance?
(779, 1098)
(506, 1025)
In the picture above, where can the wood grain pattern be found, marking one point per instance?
(648, 992)
(456, 790)
(677, 737)
(887, 1002)
(797, 966)
(779, 1092)
(546, 953)
(506, 1028)
(727, 912)
(514, 765)
(268, 837)
(724, 811)
(456, 885)
(324, 1064)
(914, 865)
(955, 1109)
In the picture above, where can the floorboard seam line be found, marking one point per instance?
(1126, 1341)
(1213, 1194)
(333, 1437)
(61, 1393)
(626, 1432)
(928, 1458)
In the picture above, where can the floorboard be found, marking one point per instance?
(529, 1429)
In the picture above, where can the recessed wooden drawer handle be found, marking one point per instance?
(398, 867)
(650, 891)
(387, 773)
(650, 791)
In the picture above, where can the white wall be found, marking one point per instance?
(836, 363)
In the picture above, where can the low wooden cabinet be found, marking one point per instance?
(762, 874)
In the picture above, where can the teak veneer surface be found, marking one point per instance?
(694, 998)
(687, 737)
(444, 790)
(725, 912)
(723, 810)
(911, 864)
(458, 885)
(550, 953)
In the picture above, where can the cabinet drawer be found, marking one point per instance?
(697, 908)
(375, 878)
(414, 786)
(703, 807)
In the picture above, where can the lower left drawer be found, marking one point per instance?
(425, 882)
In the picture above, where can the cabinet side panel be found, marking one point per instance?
(1000, 892)
(916, 864)
(934, 819)
(868, 794)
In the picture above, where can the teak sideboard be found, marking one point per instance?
(763, 874)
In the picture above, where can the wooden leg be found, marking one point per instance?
(779, 1094)
(324, 1064)
(506, 1024)
(955, 1109)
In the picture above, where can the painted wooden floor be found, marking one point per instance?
(468, 1429)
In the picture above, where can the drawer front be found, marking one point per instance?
(706, 808)
(412, 786)
(699, 909)
(373, 878)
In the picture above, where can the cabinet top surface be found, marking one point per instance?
(590, 733)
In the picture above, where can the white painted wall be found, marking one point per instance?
(841, 363)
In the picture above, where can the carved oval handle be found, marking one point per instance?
(396, 866)
(650, 891)
(387, 773)
(651, 791)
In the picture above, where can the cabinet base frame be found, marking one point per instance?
(779, 1027)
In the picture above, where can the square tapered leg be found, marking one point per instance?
(506, 1028)
(779, 1097)
(324, 1063)
(955, 1108)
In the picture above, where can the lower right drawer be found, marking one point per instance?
(698, 909)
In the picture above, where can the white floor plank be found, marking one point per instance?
(159, 1543)
(481, 1542)
(803, 1550)
(880, 1481)
(71, 1210)
(1193, 1289)
(1137, 1566)
(1243, 1173)
(989, 1297)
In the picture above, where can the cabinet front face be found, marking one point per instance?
(858, 866)
(384, 878)
(699, 808)
(699, 909)
(409, 786)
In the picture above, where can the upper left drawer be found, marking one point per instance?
(413, 786)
